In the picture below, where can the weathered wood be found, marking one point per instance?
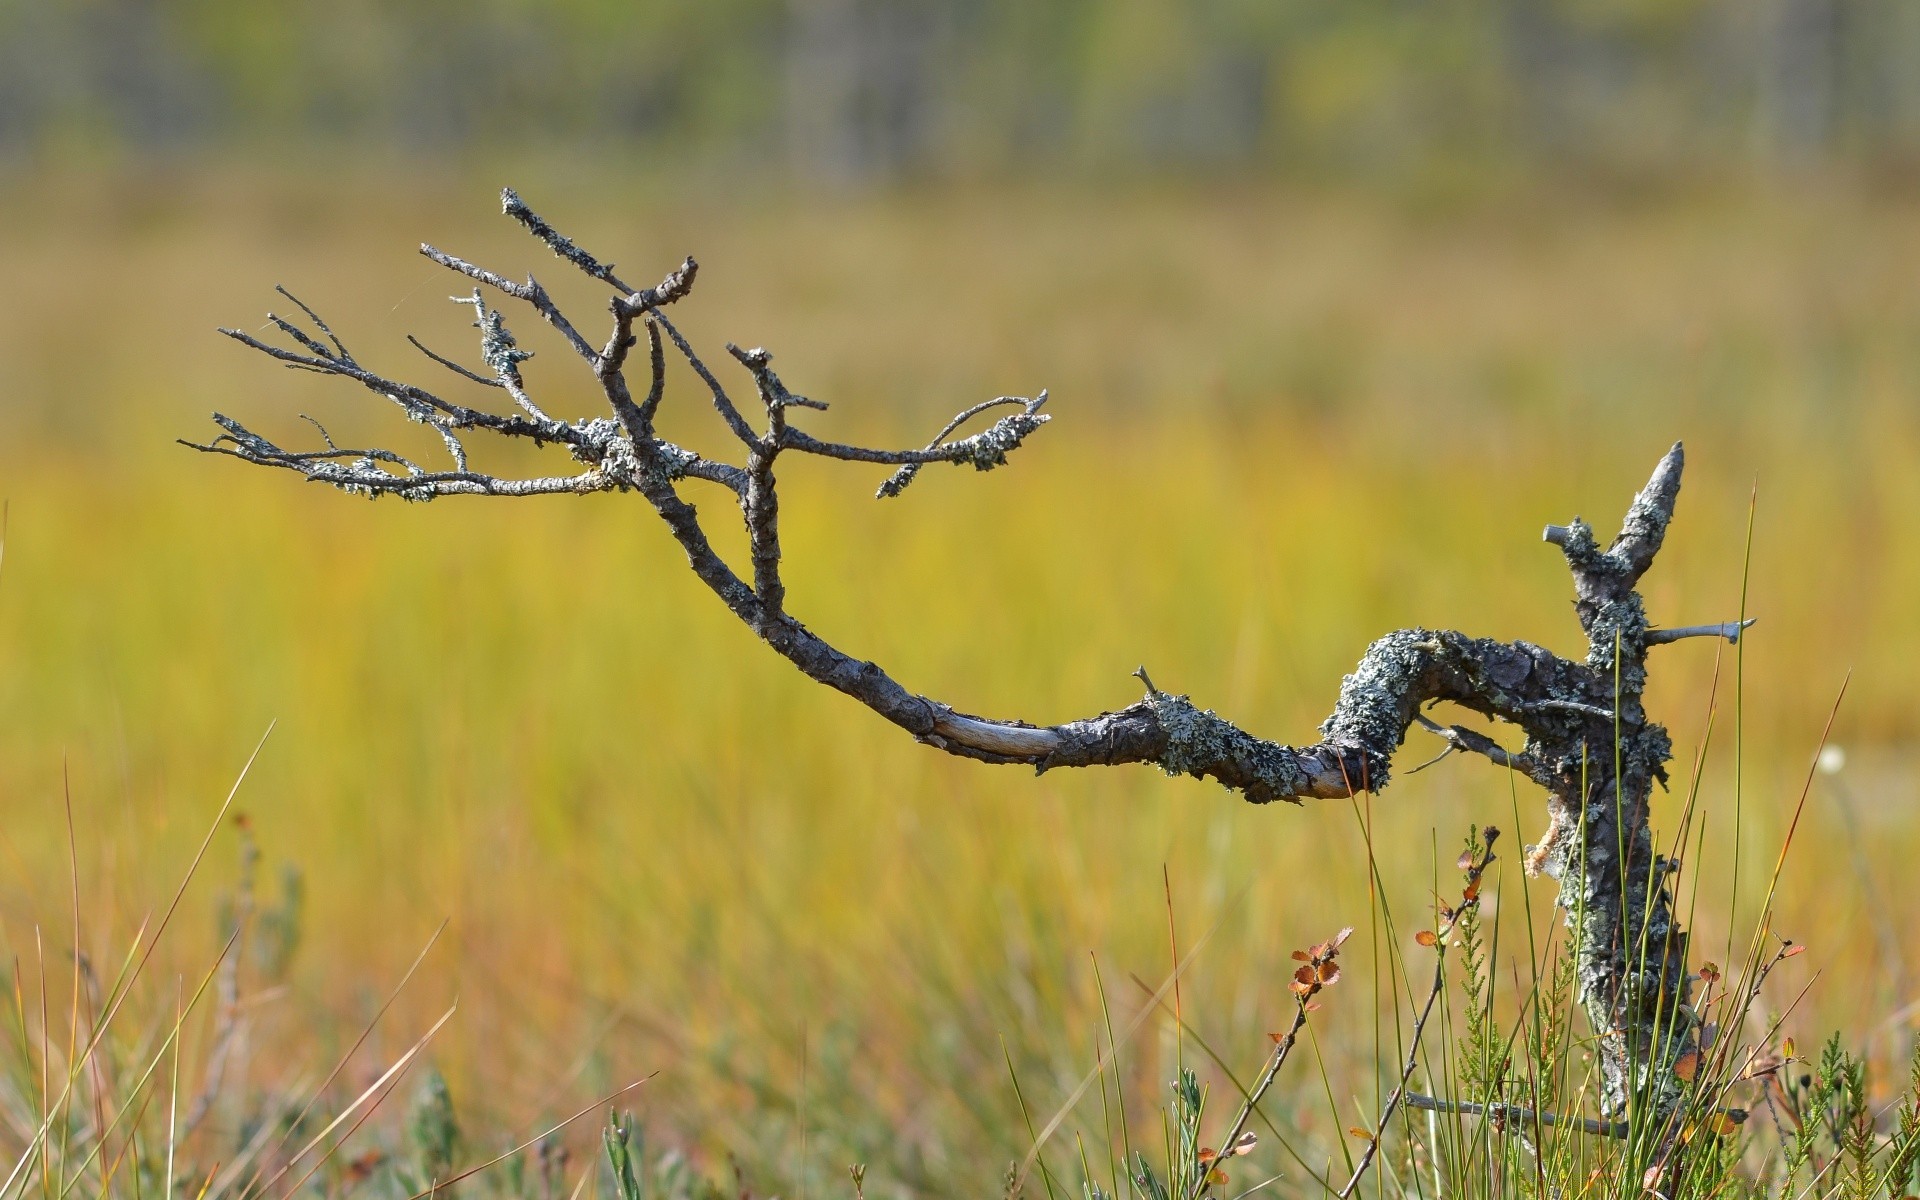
(1588, 740)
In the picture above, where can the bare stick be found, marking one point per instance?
(1400, 1090)
(455, 367)
(1729, 630)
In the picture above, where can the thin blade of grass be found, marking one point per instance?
(391, 1073)
(497, 1159)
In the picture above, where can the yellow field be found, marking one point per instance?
(1285, 423)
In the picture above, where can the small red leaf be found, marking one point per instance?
(1793, 950)
(1329, 972)
(1427, 937)
(1687, 1065)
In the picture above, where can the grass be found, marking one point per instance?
(1322, 417)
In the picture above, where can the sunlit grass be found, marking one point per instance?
(1286, 424)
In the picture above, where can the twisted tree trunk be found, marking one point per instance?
(1589, 742)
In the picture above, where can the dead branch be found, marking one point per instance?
(1588, 741)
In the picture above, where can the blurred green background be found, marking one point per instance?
(1338, 306)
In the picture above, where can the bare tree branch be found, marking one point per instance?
(1589, 743)
(455, 367)
(722, 403)
(1458, 737)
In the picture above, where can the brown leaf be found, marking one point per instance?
(1723, 1124)
(1208, 1154)
(1217, 1177)
(1465, 860)
(1793, 950)
(1427, 937)
(1472, 891)
(1710, 972)
(1245, 1143)
(1306, 976)
(1301, 956)
(1329, 972)
(1687, 1065)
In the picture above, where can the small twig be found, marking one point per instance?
(1729, 630)
(1459, 737)
(1517, 1114)
(530, 291)
(300, 335)
(1278, 1059)
(455, 367)
(1592, 710)
(722, 403)
(1406, 1073)
(316, 319)
(676, 286)
(559, 243)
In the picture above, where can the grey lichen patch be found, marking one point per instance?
(1373, 710)
(897, 482)
(603, 443)
(989, 448)
(985, 450)
(1201, 743)
(497, 346)
(675, 459)
(365, 477)
(1584, 554)
(1618, 636)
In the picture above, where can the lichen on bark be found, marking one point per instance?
(1588, 742)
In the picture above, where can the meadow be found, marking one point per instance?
(1286, 421)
